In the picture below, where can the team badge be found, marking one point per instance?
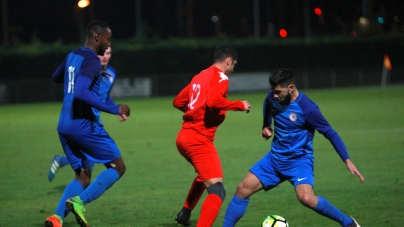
(293, 117)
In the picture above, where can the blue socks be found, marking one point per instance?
(235, 211)
(103, 181)
(325, 208)
(63, 161)
(238, 206)
(72, 189)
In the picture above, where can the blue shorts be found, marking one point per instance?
(85, 150)
(271, 172)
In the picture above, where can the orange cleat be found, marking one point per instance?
(53, 221)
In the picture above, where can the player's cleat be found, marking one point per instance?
(53, 221)
(354, 223)
(183, 217)
(54, 167)
(76, 206)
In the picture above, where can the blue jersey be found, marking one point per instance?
(80, 73)
(104, 90)
(294, 127)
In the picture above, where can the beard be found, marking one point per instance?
(286, 100)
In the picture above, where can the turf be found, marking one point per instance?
(369, 120)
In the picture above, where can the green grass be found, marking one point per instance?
(369, 120)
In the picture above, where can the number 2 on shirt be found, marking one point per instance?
(196, 91)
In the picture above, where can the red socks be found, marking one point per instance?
(209, 211)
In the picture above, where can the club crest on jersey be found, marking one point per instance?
(223, 77)
(293, 117)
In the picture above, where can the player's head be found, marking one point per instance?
(283, 84)
(98, 36)
(105, 58)
(227, 56)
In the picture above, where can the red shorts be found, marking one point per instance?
(201, 153)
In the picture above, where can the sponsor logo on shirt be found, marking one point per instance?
(223, 77)
(293, 117)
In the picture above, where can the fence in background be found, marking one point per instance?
(131, 86)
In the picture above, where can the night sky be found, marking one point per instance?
(60, 20)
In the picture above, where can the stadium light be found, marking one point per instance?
(283, 33)
(318, 11)
(83, 3)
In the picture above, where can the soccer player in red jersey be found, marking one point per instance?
(204, 103)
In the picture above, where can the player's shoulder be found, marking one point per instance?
(306, 103)
(111, 69)
(217, 75)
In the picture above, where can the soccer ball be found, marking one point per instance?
(274, 221)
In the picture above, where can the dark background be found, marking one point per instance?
(50, 21)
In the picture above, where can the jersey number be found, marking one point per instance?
(196, 91)
(70, 87)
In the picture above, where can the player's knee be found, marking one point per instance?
(242, 191)
(84, 176)
(307, 200)
(217, 189)
(119, 167)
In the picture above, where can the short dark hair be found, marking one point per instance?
(224, 51)
(282, 77)
(96, 27)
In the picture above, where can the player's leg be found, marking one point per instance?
(306, 196)
(75, 187)
(261, 176)
(58, 161)
(99, 148)
(194, 194)
(205, 159)
(184, 140)
(304, 187)
(103, 181)
(211, 205)
(238, 205)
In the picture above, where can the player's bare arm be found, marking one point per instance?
(352, 168)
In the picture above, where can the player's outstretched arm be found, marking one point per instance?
(352, 168)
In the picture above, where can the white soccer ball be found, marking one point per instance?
(274, 221)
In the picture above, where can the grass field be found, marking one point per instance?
(369, 120)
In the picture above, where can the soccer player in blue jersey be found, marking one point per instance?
(105, 87)
(83, 137)
(291, 158)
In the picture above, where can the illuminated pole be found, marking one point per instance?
(306, 13)
(256, 19)
(5, 22)
(138, 18)
(364, 8)
(82, 4)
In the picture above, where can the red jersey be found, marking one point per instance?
(204, 101)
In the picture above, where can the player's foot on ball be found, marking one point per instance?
(354, 223)
(53, 221)
(76, 206)
(183, 217)
(54, 167)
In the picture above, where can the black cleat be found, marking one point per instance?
(354, 223)
(183, 217)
